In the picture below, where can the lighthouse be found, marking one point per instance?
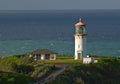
(80, 40)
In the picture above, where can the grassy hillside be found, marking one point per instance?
(107, 71)
(22, 67)
(14, 69)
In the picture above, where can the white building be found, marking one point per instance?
(88, 60)
(43, 54)
(80, 40)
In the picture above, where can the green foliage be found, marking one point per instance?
(8, 63)
(104, 72)
(5, 63)
(43, 70)
(25, 69)
(12, 78)
(24, 65)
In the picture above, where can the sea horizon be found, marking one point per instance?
(48, 10)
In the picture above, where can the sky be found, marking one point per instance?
(58, 4)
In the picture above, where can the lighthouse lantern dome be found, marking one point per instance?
(80, 23)
(80, 28)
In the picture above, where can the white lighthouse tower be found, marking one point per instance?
(80, 40)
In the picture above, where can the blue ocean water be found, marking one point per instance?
(24, 31)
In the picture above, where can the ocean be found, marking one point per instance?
(24, 31)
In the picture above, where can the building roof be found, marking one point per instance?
(42, 51)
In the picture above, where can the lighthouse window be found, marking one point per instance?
(79, 30)
(84, 31)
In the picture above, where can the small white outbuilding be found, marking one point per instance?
(88, 60)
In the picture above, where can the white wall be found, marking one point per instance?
(80, 45)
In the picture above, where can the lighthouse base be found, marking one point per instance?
(78, 55)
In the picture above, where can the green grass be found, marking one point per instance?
(62, 59)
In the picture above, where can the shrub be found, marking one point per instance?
(13, 78)
(25, 69)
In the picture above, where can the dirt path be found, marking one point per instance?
(52, 76)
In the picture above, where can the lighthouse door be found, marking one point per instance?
(79, 55)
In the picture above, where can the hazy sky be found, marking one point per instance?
(58, 4)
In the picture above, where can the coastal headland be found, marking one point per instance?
(63, 70)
